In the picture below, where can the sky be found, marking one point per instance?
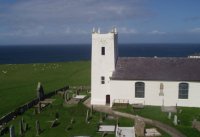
(28, 22)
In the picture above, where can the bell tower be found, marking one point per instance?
(104, 57)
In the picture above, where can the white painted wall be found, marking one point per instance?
(102, 65)
(125, 90)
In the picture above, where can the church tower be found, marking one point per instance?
(104, 57)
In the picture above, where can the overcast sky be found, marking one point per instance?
(71, 21)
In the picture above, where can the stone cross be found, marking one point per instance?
(12, 131)
(175, 120)
(139, 127)
(37, 126)
(87, 116)
(169, 115)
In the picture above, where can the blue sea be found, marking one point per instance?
(62, 53)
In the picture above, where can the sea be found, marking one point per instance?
(17, 54)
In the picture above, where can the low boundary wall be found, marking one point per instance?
(20, 110)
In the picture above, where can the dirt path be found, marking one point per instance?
(106, 109)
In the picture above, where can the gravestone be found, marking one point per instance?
(68, 127)
(21, 131)
(175, 120)
(40, 91)
(100, 118)
(12, 131)
(22, 120)
(66, 96)
(25, 127)
(196, 124)
(54, 123)
(57, 115)
(104, 134)
(39, 107)
(72, 120)
(91, 111)
(77, 92)
(139, 127)
(87, 116)
(74, 95)
(169, 115)
(37, 126)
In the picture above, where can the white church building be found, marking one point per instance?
(158, 81)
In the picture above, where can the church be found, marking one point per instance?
(156, 81)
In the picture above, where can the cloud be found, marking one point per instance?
(74, 10)
(157, 32)
(32, 18)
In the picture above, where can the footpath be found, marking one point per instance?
(166, 128)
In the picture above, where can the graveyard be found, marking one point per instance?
(59, 118)
(185, 117)
(65, 114)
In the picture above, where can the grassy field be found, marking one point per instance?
(185, 115)
(18, 83)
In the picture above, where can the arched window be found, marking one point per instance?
(183, 91)
(139, 89)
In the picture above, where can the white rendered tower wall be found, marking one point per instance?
(104, 57)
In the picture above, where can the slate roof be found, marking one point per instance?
(162, 69)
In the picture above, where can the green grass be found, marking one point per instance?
(18, 85)
(77, 112)
(186, 117)
(79, 127)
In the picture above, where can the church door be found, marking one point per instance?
(107, 99)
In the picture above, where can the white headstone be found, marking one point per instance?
(12, 131)
(169, 115)
(175, 120)
(87, 116)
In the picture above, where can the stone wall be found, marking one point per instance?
(20, 110)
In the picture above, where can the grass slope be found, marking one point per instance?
(18, 82)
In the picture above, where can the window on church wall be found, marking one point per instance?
(183, 91)
(139, 89)
(102, 80)
(102, 50)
